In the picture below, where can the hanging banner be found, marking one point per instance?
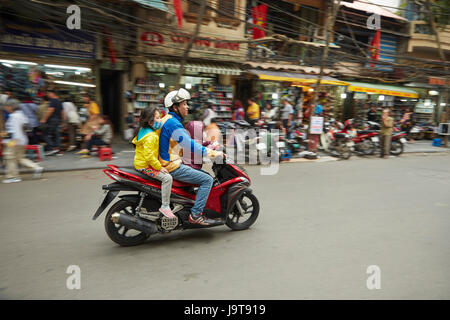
(375, 47)
(259, 14)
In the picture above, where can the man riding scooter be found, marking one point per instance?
(173, 134)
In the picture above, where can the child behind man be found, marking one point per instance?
(147, 152)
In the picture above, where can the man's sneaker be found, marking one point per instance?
(11, 180)
(201, 220)
(71, 148)
(52, 152)
(38, 173)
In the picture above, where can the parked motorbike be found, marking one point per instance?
(135, 216)
(397, 143)
(336, 143)
(364, 139)
(417, 132)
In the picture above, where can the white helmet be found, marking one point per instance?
(181, 96)
(168, 99)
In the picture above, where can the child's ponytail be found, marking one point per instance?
(147, 115)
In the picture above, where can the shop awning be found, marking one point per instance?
(297, 78)
(211, 67)
(382, 89)
(272, 66)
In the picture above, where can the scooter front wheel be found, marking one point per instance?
(243, 213)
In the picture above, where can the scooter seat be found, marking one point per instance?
(339, 135)
(175, 183)
(365, 131)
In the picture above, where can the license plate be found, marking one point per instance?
(281, 144)
(261, 146)
(350, 143)
(375, 139)
(403, 140)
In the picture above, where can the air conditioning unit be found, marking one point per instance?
(444, 129)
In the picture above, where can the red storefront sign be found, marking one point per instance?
(152, 38)
(437, 81)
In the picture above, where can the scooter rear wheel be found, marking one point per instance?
(119, 233)
(250, 206)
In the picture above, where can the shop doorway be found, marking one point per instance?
(110, 86)
(244, 91)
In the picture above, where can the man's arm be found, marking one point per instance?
(47, 114)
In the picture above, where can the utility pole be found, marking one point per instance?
(191, 41)
(444, 116)
(332, 12)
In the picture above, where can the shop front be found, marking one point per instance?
(271, 86)
(210, 83)
(361, 96)
(37, 57)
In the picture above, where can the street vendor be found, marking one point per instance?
(93, 121)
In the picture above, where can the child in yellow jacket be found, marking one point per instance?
(147, 152)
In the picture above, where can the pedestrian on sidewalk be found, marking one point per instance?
(407, 123)
(287, 116)
(238, 111)
(29, 108)
(73, 121)
(14, 142)
(100, 137)
(252, 111)
(372, 114)
(51, 123)
(387, 123)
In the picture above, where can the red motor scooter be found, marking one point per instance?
(365, 140)
(132, 219)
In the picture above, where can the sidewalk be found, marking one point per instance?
(124, 154)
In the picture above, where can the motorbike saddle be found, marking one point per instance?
(365, 131)
(175, 183)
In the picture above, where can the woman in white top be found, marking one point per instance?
(15, 142)
(73, 121)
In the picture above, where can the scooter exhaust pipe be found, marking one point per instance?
(134, 223)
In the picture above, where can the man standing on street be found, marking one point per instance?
(252, 111)
(52, 121)
(287, 116)
(372, 115)
(387, 123)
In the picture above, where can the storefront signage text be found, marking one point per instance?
(437, 81)
(40, 39)
(154, 39)
(316, 125)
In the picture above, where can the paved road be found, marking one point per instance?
(321, 225)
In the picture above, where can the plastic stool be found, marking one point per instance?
(287, 155)
(437, 142)
(38, 151)
(105, 154)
